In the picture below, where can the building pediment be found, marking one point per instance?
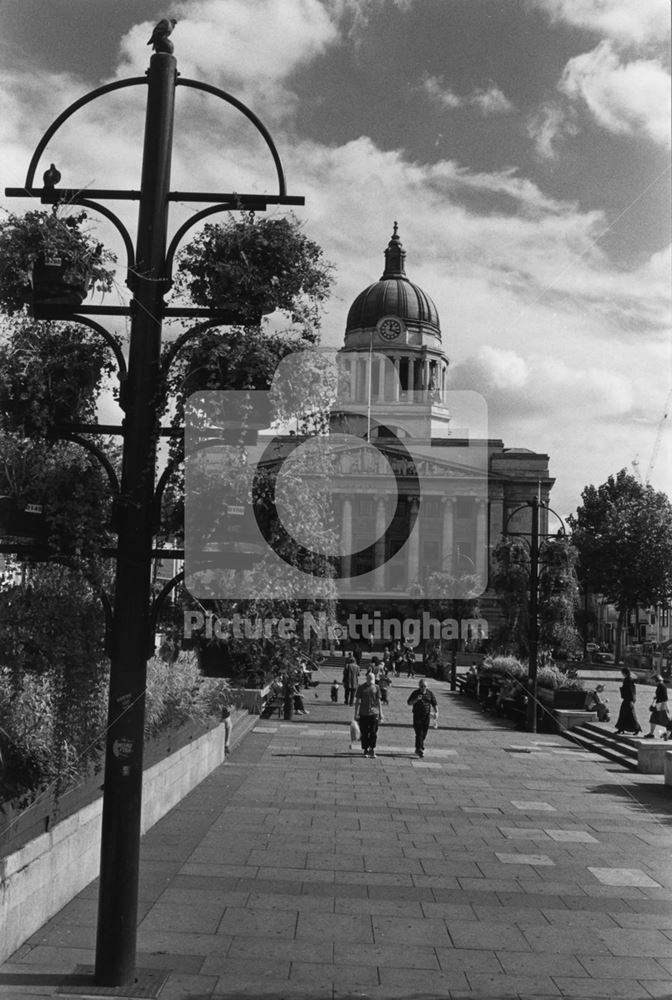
(355, 460)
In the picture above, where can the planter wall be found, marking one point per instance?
(569, 698)
(40, 878)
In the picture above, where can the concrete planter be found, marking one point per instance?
(569, 698)
(39, 878)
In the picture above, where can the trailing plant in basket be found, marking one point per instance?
(51, 373)
(257, 266)
(42, 235)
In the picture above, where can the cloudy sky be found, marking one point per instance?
(522, 145)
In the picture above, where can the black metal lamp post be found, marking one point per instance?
(536, 540)
(137, 499)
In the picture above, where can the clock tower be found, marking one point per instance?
(395, 318)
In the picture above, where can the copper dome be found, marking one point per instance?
(393, 295)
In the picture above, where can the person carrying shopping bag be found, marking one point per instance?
(368, 713)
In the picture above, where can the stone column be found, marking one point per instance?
(447, 539)
(380, 392)
(414, 547)
(381, 524)
(482, 541)
(353, 378)
(346, 539)
(395, 386)
(496, 524)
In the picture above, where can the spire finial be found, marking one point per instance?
(394, 256)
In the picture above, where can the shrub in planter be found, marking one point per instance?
(548, 675)
(51, 257)
(505, 666)
(256, 266)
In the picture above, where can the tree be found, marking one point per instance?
(557, 595)
(623, 532)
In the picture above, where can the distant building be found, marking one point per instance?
(419, 488)
(398, 366)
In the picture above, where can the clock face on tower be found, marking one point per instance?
(389, 329)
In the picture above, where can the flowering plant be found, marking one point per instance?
(25, 240)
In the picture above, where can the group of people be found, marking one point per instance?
(381, 671)
(659, 712)
(368, 705)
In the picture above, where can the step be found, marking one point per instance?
(627, 746)
(612, 753)
(601, 731)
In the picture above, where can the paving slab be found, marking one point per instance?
(301, 869)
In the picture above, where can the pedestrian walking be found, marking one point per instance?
(350, 679)
(397, 657)
(627, 721)
(384, 684)
(424, 704)
(334, 690)
(660, 712)
(368, 713)
(226, 719)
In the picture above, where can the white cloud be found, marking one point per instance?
(624, 97)
(625, 21)
(434, 88)
(488, 101)
(253, 44)
(491, 101)
(558, 340)
(549, 127)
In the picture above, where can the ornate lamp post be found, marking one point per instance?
(535, 543)
(137, 498)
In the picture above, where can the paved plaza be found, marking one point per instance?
(503, 864)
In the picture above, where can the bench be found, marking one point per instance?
(516, 710)
(272, 699)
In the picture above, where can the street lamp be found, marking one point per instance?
(136, 498)
(536, 540)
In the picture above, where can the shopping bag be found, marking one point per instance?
(355, 734)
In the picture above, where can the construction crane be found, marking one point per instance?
(659, 437)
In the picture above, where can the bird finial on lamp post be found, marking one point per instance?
(159, 38)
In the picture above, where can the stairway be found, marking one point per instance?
(619, 749)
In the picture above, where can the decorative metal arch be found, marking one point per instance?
(173, 349)
(134, 81)
(118, 225)
(97, 453)
(250, 115)
(109, 340)
(160, 598)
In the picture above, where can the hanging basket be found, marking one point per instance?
(22, 522)
(51, 289)
(213, 660)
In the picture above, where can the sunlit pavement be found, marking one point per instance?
(503, 864)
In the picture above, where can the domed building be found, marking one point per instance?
(416, 494)
(449, 505)
(395, 319)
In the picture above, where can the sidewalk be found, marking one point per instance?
(503, 864)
